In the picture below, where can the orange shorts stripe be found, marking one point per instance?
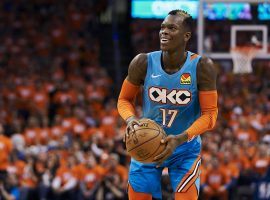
(190, 177)
(192, 194)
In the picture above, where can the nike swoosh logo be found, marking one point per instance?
(155, 76)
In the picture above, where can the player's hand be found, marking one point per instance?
(131, 124)
(171, 141)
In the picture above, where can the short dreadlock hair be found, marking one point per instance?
(187, 18)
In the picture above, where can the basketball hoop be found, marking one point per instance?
(242, 57)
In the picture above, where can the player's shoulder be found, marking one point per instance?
(137, 69)
(138, 62)
(206, 65)
(205, 60)
(206, 74)
(139, 58)
(138, 66)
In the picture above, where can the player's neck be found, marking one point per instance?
(173, 62)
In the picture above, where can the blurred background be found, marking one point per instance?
(62, 64)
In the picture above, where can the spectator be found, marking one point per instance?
(65, 182)
(28, 181)
(114, 180)
(5, 150)
(215, 182)
(10, 190)
(45, 186)
(90, 179)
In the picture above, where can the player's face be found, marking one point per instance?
(173, 34)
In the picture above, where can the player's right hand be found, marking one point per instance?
(132, 122)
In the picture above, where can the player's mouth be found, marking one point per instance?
(164, 40)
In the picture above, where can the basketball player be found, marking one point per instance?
(179, 93)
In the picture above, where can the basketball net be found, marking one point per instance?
(242, 58)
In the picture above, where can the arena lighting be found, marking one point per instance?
(158, 9)
(201, 27)
(264, 11)
(233, 1)
(146, 9)
(227, 11)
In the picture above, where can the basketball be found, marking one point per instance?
(144, 144)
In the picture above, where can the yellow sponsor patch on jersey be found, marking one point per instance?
(185, 79)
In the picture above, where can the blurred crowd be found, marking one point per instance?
(61, 135)
(236, 155)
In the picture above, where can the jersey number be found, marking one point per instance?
(171, 113)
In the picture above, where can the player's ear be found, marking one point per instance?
(187, 36)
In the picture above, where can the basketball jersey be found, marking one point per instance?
(172, 99)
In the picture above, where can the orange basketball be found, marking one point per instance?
(144, 144)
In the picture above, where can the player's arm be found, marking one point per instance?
(131, 86)
(208, 98)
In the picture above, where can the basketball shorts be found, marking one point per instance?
(183, 168)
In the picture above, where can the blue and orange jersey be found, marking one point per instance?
(172, 99)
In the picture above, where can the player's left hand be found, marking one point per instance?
(171, 141)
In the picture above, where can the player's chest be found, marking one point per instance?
(176, 90)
